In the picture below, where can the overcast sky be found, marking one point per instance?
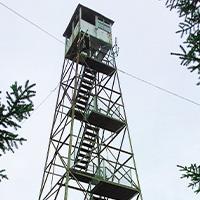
(164, 128)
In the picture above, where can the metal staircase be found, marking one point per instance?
(86, 147)
(85, 87)
(89, 136)
(86, 84)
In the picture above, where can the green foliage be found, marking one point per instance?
(189, 28)
(18, 107)
(2, 175)
(192, 173)
(189, 12)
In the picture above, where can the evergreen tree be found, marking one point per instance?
(189, 28)
(18, 107)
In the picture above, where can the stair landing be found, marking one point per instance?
(99, 66)
(81, 176)
(103, 121)
(114, 191)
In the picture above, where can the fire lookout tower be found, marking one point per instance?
(90, 155)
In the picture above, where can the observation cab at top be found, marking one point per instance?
(90, 34)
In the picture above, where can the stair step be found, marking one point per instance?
(87, 82)
(92, 128)
(80, 107)
(91, 77)
(83, 155)
(85, 150)
(89, 73)
(86, 87)
(87, 145)
(80, 166)
(90, 134)
(83, 97)
(82, 102)
(83, 161)
(89, 139)
(83, 91)
(88, 70)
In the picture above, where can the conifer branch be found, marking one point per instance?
(18, 107)
(193, 174)
(189, 12)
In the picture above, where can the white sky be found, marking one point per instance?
(164, 129)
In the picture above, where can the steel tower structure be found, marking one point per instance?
(90, 156)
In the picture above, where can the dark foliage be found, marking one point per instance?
(189, 28)
(17, 108)
(192, 173)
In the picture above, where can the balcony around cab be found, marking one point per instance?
(95, 59)
(97, 65)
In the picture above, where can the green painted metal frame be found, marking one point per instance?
(112, 152)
